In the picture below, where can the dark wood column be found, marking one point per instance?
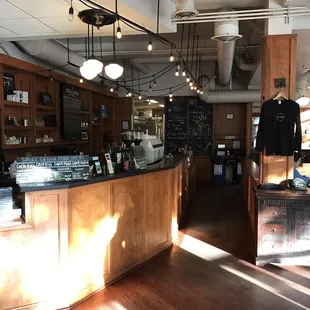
(279, 61)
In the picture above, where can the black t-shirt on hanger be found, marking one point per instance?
(279, 129)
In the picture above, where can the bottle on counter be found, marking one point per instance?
(126, 162)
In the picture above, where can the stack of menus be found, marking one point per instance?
(35, 171)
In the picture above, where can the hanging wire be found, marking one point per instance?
(193, 48)
(188, 39)
(158, 14)
(182, 38)
(197, 58)
(101, 52)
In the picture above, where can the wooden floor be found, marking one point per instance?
(197, 275)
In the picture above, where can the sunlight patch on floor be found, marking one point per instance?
(261, 285)
(200, 248)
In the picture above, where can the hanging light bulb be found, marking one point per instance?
(170, 95)
(149, 102)
(177, 73)
(91, 68)
(111, 90)
(140, 97)
(150, 87)
(81, 81)
(113, 70)
(191, 84)
(150, 46)
(119, 32)
(198, 91)
(154, 82)
(188, 79)
(170, 99)
(195, 87)
(129, 94)
(192, 87)
(71, 13)
(184, 72)
(201, 92)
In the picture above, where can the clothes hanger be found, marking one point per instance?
(280, 96)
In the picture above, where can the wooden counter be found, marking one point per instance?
(77, 240)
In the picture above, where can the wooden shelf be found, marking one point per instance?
(44, 107)
(43, 128)
(44, 144)
(96, 125)
(18, 128)
(17, 104)
(85, 142)
(17, 146)
(84, 128)
(85, 112)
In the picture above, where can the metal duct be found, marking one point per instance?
(231, 96)
(301, 85)
(52, 52)
(226, 34)
(185, 9)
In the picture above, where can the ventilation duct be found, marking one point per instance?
(226, 34)
(231, 96)
(301, 85)
(54, 53)
(185, 9)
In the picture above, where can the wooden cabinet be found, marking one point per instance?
(283, 226)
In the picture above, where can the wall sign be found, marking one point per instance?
(230, 116)
(32, 171)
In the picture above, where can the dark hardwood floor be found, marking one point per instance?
(198, 275)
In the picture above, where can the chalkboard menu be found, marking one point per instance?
(71, 113)
(200, 126)
(176, 124)
(189, 120)
(49, 169)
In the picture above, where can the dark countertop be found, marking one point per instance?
(165, 164)
(285, 194)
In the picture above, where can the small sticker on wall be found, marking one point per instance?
(230, 116)
(218, 169)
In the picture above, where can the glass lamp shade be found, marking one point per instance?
(303, 101)
(114, 71)
(91, 68)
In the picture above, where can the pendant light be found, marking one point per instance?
(119, 34)
(171, 55)
(114, 70)
(170, 96)
(71, 13)
(177, 72)
(150, 45)
(91, 67)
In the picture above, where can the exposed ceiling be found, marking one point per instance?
(218, 4)
(33, 19)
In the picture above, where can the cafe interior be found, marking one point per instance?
(154, 154)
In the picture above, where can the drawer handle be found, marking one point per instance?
(274, 213)
(273, 230)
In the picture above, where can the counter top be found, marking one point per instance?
(165, 164)
(285, 194)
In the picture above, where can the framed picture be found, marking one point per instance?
(46, 99)
(8, 84)
(84, 135)
(125, 125)
(230, 116)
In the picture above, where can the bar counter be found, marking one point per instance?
(79, 237)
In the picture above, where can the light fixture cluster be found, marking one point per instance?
(170, 96)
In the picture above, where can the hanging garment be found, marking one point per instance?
(279, 130)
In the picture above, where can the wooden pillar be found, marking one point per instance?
(279, 61)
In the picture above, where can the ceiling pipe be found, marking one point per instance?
(231, 96)
(301, 84)
(54, 53)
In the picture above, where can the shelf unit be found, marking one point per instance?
(36, 84)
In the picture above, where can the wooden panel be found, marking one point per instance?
(229, 127)
(128, 203)
(30, 259)
(156, 209)
(279, 61)
(122, 112)
(203, 170)
(91, 228)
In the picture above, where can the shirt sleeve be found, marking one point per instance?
(298, 135)
(260, 140)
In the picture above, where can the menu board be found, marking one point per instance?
(46, 169)
(71, 113)
(200, 126)
(176, 124)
